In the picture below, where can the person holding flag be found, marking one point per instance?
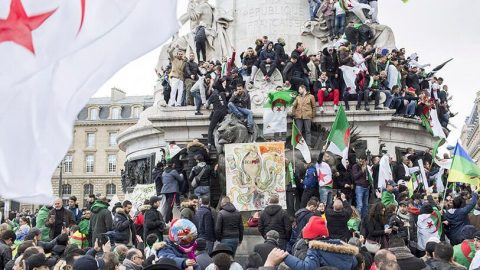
(324, 173)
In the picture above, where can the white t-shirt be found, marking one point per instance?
(338, 9)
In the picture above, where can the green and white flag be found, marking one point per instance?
(299, 143)
(275, 111)
(339, 136)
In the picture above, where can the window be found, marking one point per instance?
(112, 163)
(66, 193)
(90, 162)
(67, 164)
(94, 114)
(136, 112)
(116, 113)
(91, 140)
(112, 138)
(87, 190)
(111, 190)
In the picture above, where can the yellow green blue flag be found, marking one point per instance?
(463, 169)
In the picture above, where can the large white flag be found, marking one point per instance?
(437, 128)
(384, 172)
(349, 76)
(55, 55)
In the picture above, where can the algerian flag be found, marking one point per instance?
(324, 173)
(339, 136)
(423, 175)
(428, 225)
(385, 172)
(393, 76)
(172, 150)
(275, 111)
(432, 124)
(439, 180)
(369, 175)
(299, 143)
(444, 163)
(349, 77)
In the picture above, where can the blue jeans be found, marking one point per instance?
(389, 99)
(411, 107)
(324, 192)
(202, 191)
(232, 243)
(340, 24)
(197, 98)
(241, 113)
(314, 7)
(361, 195)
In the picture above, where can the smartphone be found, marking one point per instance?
(103, 239)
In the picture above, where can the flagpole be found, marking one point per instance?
(445, 191)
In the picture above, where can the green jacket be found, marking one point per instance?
(388, 198)
(42, 218)
(354, 224)
(101, 220)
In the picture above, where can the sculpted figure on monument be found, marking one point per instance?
(233, 130)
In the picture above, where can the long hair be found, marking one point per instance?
(376, 213)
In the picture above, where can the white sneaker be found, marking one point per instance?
(321, 109)
(335, 108)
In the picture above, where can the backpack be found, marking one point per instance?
(310, 180)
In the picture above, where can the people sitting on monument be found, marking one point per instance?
(280, 55)
(313, 74)
(327, 91)
(293, 73)
(267, 57)
(248, 59)
(240, 106)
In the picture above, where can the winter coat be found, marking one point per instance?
(200, 35)
(139, 219)
(292, 70)
(475, 218)
(129, 265)
(195, 148)
(406, 260)
(124, 228)
(42, 218)
(249, 60)
(275, 218)
(325, 253)
(375, 230)
(5, 254)
(344, 57)
(302, 217)
(265, 248)
(280, 54)
(171, 180)
(153, 224)
(207, 174)
(206, 223)
(188, 212)
(167, 249)
(67, 220)
(458, 218)
(266, 54)
(437, 264)
(157, 179)
(328, 62)
(359, 176)
(191, 68)
(101, 220)
(337, 222)
(304, 107)
(229, 223)
(241, 100)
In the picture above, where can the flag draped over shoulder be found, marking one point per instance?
(339, 136)
(429, 225)
(384, 172)
(463, 169)
(349, 76)
(299, 143)
(275, 111)
(55, 55)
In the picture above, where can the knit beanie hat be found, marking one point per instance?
(315, 228)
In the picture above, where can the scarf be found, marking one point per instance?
(189, 250)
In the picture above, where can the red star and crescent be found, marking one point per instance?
(346, 137)
(18, 26)
(279, 101)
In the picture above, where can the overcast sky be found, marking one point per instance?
(436, 29)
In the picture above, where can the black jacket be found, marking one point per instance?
(265, 248)
(200, 35)
(328, 62)
(337, 222)
(229, 223)
(280, 54)
(191, 68)
(157, 179)
(399, 173)
(275, 218)
(5, 254)
(206, 176)
(242, 101)
(124, 228)
(206, 224)
(293, 70)
(413, 81)
(153, 224)
(266, 54)
(248, 61)
(195, 148)
(374, 229)
(219, 101)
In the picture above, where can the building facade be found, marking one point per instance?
(470, 136)
(93, 163)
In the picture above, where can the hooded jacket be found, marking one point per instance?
(325, 253)
(302, 217)
(195, 148)
(207, 174)
(153, 223)
(171, 179)
(275, 218)
(229, 223)
(206, 223)
(42, 218)
(437, 264)
(266, 54)
(458, 218)
(167, 249)
(124, 228)
(5, 254)
(280, 54)
(101, 220)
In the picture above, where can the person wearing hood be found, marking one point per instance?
(273, 217)
(171, 183)
(101, 220)
(58, 218)
(457, 217)
(268, 57)
(181, 244)
(302, 216)
(123, 225)
(338, 214)
(200, 176)
(42, 218)
(229, 225)
(280, 56)
(266, 247)
(321, 251)
(154, 222)
(329, 64)
(195, 148)
(84, 225)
